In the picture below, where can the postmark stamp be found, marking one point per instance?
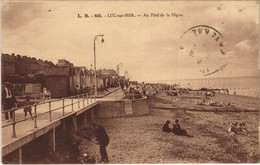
(205, 46)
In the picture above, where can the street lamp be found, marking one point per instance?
(95, 62)
(117, 67)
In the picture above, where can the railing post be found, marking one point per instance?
(72, 104)
(78, 101)
(35, 116)
(87, 97)
(63, 108)
(13, 114)
(50, 111)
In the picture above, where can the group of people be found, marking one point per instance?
(102, 138)
(210, 102)
(124, 84)
(9, 100)
(88, 89)
(134, 92)
(84, 89)
(176, 129)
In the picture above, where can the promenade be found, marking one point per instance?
(48, 119)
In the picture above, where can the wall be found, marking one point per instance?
(110, 109)
(23, 65)
(140, 106)
(117, 108)
(8, 64)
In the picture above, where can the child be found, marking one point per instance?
(45, 92)
(28, 108)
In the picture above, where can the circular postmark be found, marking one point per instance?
(204, 45)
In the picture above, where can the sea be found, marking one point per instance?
(246, 86)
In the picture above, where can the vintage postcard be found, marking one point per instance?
(129, 82)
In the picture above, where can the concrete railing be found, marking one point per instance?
(36, 97)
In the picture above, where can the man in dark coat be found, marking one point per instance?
(8, 99)
(166, 127)
(102, 139)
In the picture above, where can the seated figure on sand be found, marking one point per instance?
(237, 128)
(177, 129)
(242, 127)
(166, 127)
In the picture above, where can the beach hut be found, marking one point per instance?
(56, 80)
(100, 81)
(78, 76)
(88, 78)
(91, 78)
(109, 76)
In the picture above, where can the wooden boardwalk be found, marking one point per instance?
(27, 130)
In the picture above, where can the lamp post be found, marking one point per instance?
(95, 62)
(117, 67)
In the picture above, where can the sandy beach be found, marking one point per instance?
(140, 139)
(190, 102)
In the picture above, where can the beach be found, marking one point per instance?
(139, 139)
(243, 86)
(190, 102)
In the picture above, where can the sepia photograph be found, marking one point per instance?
(130, 82)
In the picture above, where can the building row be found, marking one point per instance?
(30, 75)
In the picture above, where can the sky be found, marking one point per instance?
(150, 48)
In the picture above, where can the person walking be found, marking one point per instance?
(28, 108)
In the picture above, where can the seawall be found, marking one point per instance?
(122, 108)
